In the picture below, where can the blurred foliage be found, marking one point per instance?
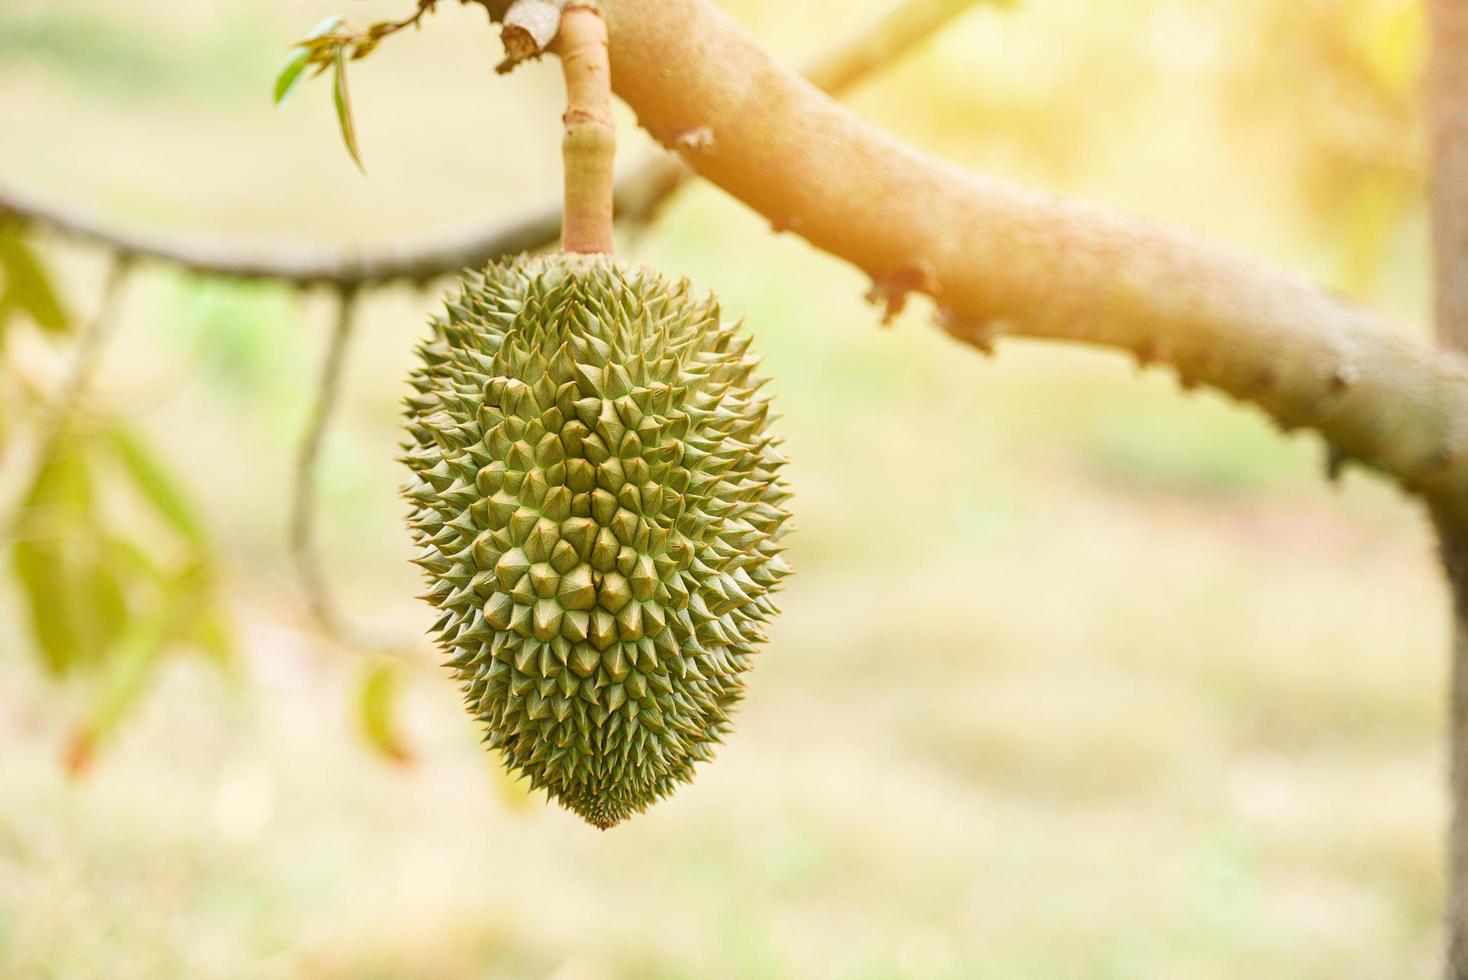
(115, 56)
(112, 563)
(377, 697)
(25, 285)
(1342, 82)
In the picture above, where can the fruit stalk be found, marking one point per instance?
(590, 144)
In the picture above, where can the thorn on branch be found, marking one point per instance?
(781, 225)
(1264, 379)
(890, 290)
(978, 333)
(1148, 352)
(1343, 377)
(700, 140)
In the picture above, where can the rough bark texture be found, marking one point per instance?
(590, 144)
(1000, 260)
(1455, 560)
(528, 29)
(1447, 92)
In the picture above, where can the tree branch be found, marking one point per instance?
(305, 550)
(899, 29)
(638, 195)
(1000, 260)
(528, 28)
(1447, 114)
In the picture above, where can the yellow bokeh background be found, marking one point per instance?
(1079, 676)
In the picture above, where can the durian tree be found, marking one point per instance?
(592, 479)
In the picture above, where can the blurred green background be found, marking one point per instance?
(1079, 677)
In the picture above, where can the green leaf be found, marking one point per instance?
(206, 626)
(377, 711)
(185, 612)
(156, 484)
(326, 26)
(119, 685)
(290, 74)
(28, 286)
(344, 108)
(39, 567)
(213, 635)
(72, 583)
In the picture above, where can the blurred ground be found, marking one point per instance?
(1079, 678)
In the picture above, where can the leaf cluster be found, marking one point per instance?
(331, 45)
(112, 563)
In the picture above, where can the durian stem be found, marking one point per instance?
(590, 143)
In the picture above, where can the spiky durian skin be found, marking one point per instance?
(600, 509)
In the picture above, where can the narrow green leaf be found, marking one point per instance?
(156, 484)
(326, 26)
(377, 711)
(290, 74)
(28, 286)
(344, 108)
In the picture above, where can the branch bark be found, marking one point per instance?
(528, 28)
(637, 198)
(1447, 95)
(1000, 260)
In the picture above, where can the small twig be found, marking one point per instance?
(320, 600)
(527, 30)
(898, 30)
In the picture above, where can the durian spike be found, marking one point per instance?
(601, 552)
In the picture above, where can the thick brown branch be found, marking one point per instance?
(638, 196)
(1447, 94)
(1001, 260)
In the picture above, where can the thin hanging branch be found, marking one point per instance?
(638, 196)
(320, 599)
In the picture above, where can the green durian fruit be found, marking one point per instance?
(599, 503)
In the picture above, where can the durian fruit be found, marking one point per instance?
(600, 508)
